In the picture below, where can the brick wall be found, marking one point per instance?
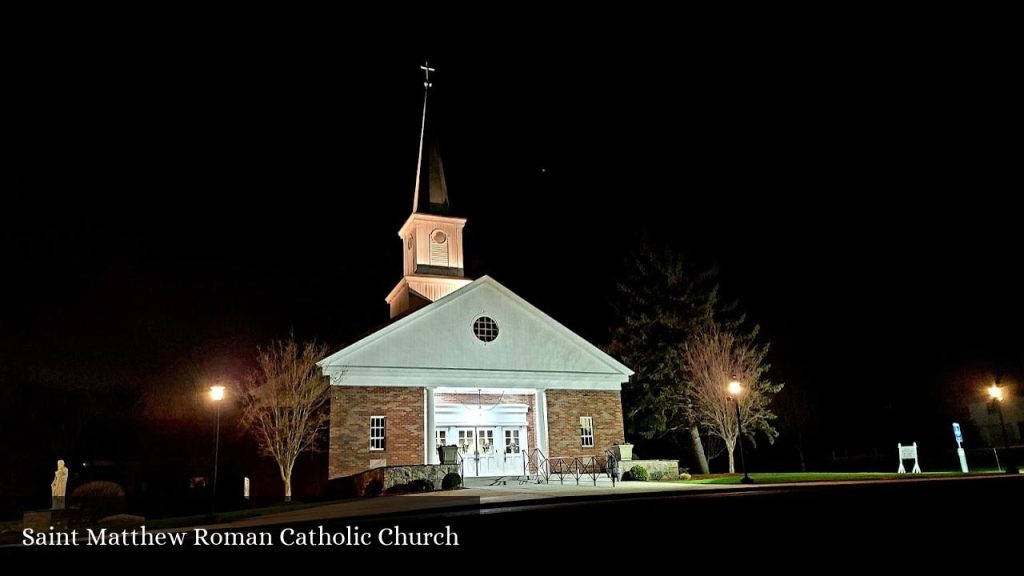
(351, 409)
(564, 410)
(487, 400)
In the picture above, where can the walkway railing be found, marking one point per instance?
(575, 466)
(611, 465)
(537, 463)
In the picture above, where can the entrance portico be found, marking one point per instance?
(495, 429)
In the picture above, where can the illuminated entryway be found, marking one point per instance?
(492, 428)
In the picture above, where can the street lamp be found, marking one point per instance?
(217, 395)
(996, 393)
(734, 393)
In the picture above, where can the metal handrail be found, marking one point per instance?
(610, 464)
(575, 466)
(539, 462)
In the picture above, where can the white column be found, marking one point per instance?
(542, 421)
(429, 435)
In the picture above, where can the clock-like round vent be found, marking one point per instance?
(439, 237)
(485, 329)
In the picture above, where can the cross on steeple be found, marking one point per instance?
(426, 74)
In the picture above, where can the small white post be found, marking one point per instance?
(960, 447)
(429, 429)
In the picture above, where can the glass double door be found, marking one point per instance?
(490, 450)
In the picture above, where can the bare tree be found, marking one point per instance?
(285, 403)
(713, 357)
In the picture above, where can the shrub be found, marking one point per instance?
(373, 488)
(657, 474)
(123, 519)
(638, 472)
(684, 476)
(421, 485)
(417, 485)
(451, 481)
(98, 500)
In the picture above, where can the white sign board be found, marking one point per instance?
(908, 453)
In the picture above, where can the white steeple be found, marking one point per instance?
(431, 239)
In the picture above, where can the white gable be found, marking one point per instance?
(436, 346)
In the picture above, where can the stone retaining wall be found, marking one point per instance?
(380, 480)
(656, 469)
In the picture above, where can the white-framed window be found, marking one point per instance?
(378, 432)
(511, 441)
(466, 441)
(442, 437)
(587, 431)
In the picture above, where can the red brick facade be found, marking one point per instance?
(564, 410)
(351, 409)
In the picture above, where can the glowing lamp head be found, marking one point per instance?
(735, 388)
(995, 392)
(216, 393)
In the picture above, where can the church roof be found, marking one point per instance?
(437, 345)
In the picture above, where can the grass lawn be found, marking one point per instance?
(788, 477)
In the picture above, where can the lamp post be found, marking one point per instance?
(734, 393)
(996, 393)
(217, 395)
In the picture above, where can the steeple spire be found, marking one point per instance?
(431, 172)
(423, 131)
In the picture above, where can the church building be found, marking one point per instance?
(465, 362)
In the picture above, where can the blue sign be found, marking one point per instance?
(956, 433)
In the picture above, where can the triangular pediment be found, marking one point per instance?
(437, 343)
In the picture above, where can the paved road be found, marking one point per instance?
(884, 525)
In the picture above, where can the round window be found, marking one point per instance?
(485, 329)
(439, 237)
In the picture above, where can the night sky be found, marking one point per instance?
(173, 208)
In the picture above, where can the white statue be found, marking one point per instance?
(58, 486)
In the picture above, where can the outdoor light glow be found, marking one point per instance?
(735, 388)
(217, 393)
(995, 392)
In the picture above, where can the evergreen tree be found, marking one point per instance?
(661, 301)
